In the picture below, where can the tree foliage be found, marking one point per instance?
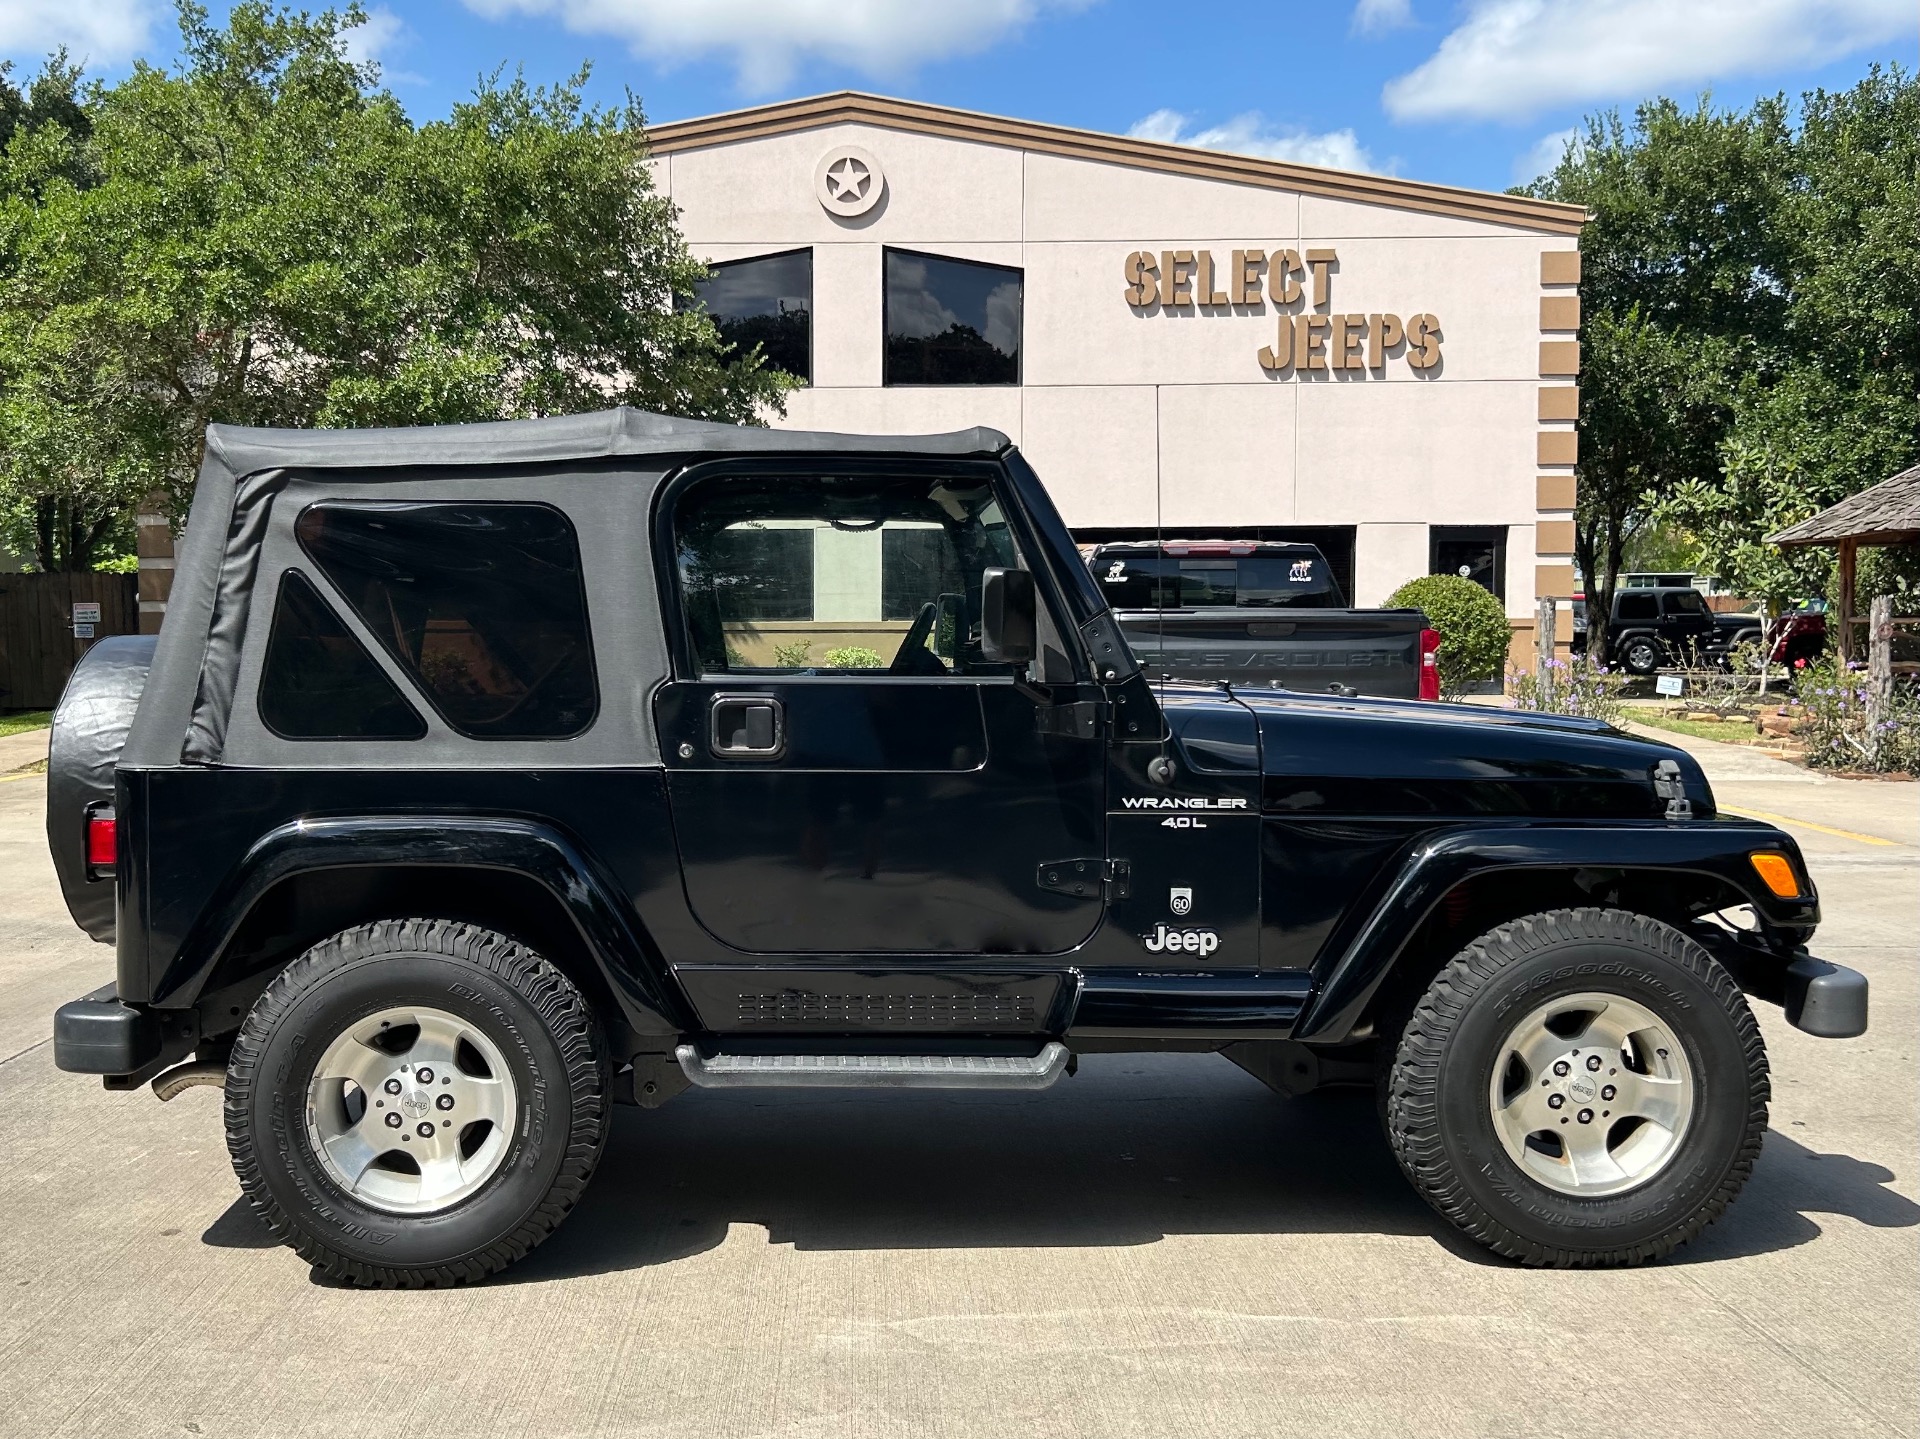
(1471, 621)
(260, 235)
(1751, 323)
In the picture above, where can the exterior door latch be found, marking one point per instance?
(1086, 878)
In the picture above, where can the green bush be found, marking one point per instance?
(854, 657)
(1472, 624)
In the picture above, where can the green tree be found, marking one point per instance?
(1679, 296)
(1472, 623)
(261, 236)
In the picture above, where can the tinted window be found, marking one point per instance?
(1479, 555)
(1683, 602)
(319, 682)
(481, 604)
(1291, 579)
(766, 302)
(1644, 605)
(893, 569)
(951, 322)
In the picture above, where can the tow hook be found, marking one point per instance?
(183, 1077)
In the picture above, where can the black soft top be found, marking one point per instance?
(184, 713)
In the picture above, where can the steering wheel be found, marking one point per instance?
(913, 657)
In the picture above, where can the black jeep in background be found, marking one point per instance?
(1655, 627)
(484, 777)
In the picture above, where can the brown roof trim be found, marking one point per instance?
(1546, 216)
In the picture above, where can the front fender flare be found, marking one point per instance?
(1715, 849)
(634, 971)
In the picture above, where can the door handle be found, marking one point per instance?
(746, 727)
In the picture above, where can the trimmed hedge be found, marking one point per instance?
(1472, 623)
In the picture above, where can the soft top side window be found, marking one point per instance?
(816, 575)
(481, 604)
(319, 682)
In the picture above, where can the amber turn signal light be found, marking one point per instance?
(1777, 870)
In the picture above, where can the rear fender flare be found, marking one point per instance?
(1712, 849)
(634, 971)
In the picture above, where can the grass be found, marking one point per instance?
(24, 721)
(1737, 731)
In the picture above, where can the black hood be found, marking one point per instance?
(1326, 755)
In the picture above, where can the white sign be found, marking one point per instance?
(82, 632)
(1670, 685)
(86, 612)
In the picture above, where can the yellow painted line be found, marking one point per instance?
(23, 774)
(1809, 824)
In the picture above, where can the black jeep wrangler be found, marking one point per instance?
(486, 776)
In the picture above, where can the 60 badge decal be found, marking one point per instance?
(1180, 941)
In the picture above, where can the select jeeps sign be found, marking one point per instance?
(1177, 281)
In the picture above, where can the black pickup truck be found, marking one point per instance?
(474, 785)
(1260, 613)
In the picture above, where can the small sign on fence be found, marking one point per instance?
(82, 632)
(86, 612)
(1670, 685)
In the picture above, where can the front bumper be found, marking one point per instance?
(97, 1034)
(1826, 1000)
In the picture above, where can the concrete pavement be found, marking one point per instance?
(1157, 1247)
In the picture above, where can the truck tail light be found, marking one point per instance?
(103, 844)
(1429, 664)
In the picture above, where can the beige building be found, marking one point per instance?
(1208, 343)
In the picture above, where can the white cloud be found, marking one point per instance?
(1544, 154)
(1513, 58)
(98, 32)
(1370, 17)
(767, 40)
(1249, 134)
(369, 41)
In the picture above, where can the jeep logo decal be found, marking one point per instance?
(1187, 941)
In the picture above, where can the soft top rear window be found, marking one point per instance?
(481, 604)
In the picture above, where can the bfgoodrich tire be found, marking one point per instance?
(416, 1102)
(1579, 1088)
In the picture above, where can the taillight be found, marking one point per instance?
(103, 844)
(1429, 664)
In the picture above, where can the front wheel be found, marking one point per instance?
(415, 1102)
(1579, 1088)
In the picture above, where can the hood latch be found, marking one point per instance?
(1670, 785)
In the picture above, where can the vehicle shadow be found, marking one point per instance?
(1132, 1149)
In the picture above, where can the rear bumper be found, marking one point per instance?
(97, 1034)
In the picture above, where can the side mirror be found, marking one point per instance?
(1006, 616)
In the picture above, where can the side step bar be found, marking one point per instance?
(874, 1071)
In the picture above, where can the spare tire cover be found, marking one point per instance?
(89, 728)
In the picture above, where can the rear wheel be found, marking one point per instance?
(1641, 655)
(416, 1102)
(1577, 1088)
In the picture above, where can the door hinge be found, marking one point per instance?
(1081, 719)
(1086, 878)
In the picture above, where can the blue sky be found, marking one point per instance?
(1463, 92)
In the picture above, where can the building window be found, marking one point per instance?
(481, 605)
(1477, 553)
(766, 301)
(951, 322)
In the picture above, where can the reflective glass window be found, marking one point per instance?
(951, 322)
(766, 301)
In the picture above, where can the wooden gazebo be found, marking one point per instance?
(1887, 514)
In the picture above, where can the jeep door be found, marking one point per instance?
(848, 772)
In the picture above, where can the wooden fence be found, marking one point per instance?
(38, 646)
